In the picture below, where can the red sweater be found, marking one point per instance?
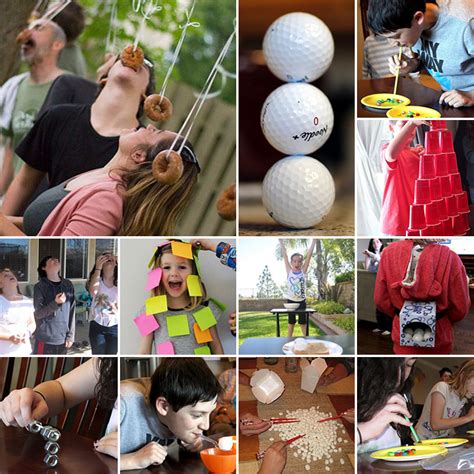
(439, 276)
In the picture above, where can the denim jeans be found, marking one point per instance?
(103, 339)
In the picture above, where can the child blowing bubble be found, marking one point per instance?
(401, 165)
(296, 270)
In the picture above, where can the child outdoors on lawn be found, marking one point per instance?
(401, 163)
(174, 404)
(296, 270)
(442, 37)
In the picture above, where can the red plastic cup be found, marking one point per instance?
(438, 124)
(429, 230)
(459, 224)
(451, 205)
(445, 184)
(467, 225)
(456, 185)
(432, 142)
(431, 214)
(462, 203)
(435, 189)
(446, 141)
(452, 163)
(422, 191)
(412, 233)
(427, 168)
(441, 165)
(441, 209)
(447, 227)
(417, 217)
(438, 229)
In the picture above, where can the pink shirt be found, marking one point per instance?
(399, 191)
(93, 210)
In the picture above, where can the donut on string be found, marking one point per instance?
(167, 167)
(158, 107)
(132, 57)
(226, 203)
(23, 36)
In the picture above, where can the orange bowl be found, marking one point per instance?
(218, 461)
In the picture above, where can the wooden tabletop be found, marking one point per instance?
(417, 93)
(23, 452)
(366, 464)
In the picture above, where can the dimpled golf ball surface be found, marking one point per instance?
(298, 47)
(297, 119)
(298, 191)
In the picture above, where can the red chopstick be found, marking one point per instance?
(332, 418)
(280, 421)
(289, 441)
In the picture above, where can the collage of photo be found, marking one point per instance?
(144, 143)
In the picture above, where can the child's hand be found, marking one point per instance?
(193, 447)
(255, 428)
(418, 149)
(60, 298)
(348, 415)
(108, 444)
(233, 321)
(275, 459)
(205, 244)
(282, 243)
(406, 65)
(21, 407)
(418, 123)
(457, 98)
(152, 453)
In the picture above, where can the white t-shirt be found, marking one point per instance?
(296, 286)
(104, 308)
(452, 409)
(14, 318)
(388, 439)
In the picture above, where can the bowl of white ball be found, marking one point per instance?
(291, 305)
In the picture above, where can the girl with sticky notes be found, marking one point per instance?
(178, 318)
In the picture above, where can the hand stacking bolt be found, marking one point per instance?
(51, 447)
(51, 460)
(51, 435)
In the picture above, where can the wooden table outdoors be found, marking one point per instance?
(273, 345)
(336, 398)
(417, 93)
(23, 452)
(365, 464)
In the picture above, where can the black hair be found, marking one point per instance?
(184, 381)
(42, 264)
(187, 153)
(71, 20)
(371, 247)
(102, 272)
(377, 380)
(106, 388)
(388, 16)
(296, 255)
(445, 369)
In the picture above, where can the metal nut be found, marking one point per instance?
(51, 460)
(35, 427)
(54, 435)
(51, 447)
(45, 432)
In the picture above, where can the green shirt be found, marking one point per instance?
(71, 59)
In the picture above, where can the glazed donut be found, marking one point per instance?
(157, 111)
(23, 36)
(226, 203)
(131, 57)
(167, 167)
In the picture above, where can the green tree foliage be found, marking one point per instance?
(266, 286)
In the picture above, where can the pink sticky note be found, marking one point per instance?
(165, 348)
(154, 278)
(146, 324)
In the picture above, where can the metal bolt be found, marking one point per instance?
(54, 435)
(51, 460)
(35, 427)
(51, 447)
(45, 432)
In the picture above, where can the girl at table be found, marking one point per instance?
(17, 321)
(96, 378)
(444, 404)
(382, 407)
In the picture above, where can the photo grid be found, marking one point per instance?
(144, 144)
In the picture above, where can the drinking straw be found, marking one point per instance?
(398, 70)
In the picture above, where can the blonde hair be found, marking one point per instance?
(151, 208)
(461, 377)
(195, 301)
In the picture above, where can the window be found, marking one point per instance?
(14, 255)
(105, 246)
(76, 258)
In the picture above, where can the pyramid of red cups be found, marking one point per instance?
(440, 206)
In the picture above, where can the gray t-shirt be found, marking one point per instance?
(139, 424)
(183, 345)
(447, 51)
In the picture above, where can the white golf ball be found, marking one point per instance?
(298, 191)
(297, 119)
(298, 47)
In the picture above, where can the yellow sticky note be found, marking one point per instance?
(156, 304)
(201, 336)
(182, 249)
(205, 318)
(204, 350)
(177, 325)
(194, 287)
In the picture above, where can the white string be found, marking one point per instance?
(38, 5)
(202, 96)
(112, 33)
(50, 14)
(188, 23)
(224, 75)
(152, 8)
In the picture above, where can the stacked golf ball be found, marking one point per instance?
(297, 119)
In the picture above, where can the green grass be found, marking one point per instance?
(346, 323)
(263, 324)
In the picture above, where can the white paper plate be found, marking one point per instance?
(332, 347)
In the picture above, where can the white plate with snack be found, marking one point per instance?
(315, 347)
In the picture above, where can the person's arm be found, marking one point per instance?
(93, 283)
(367, 260)
(402, 139)
(31, 326)
(6, 176)
(7, 228)
(456, 98)
(205, 244)
(285, 256)
(274, 461)
(146, 343)
(8, 336)
(252, 425)
(21, 190)
(308, 256)
(437, 422)
(381, 294)
(152, 453)
(44, 308)
(216, 345)
(72, 321)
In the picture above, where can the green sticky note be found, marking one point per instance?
(177, 325)
(156, 304)
(197, 263)
(152, 260)
(203, 350)
(194, 287)
(205, 318)
(219, 304)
